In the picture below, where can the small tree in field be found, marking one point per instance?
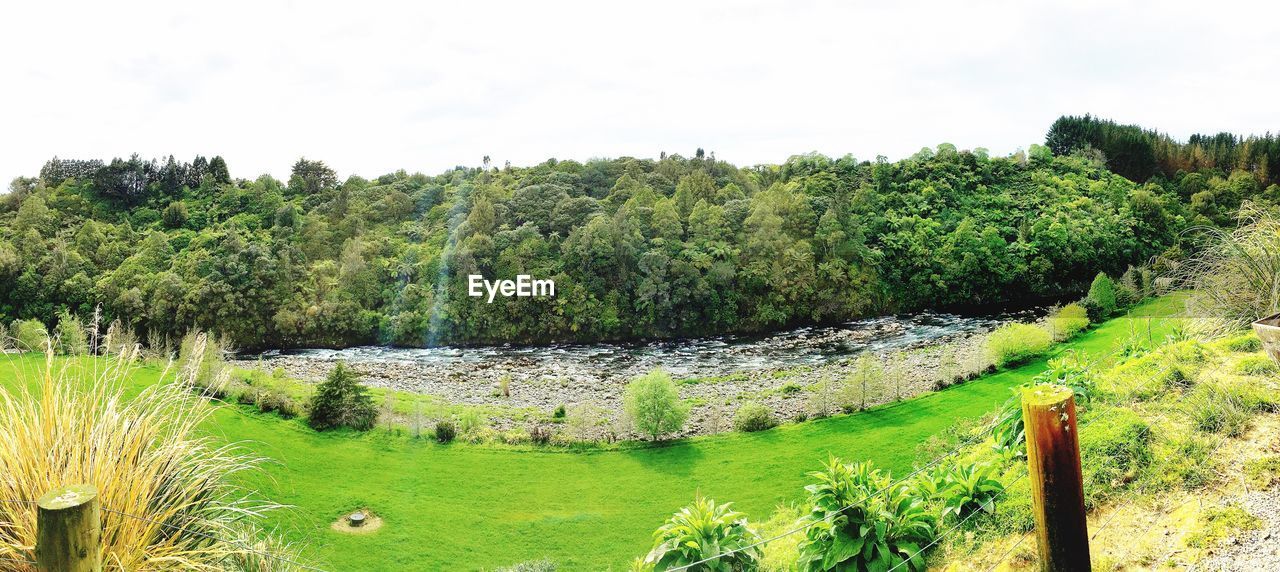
(1102, 293)
(653, 404)
(340, 401)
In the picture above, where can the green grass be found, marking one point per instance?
(479, 507)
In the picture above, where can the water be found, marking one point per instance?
(720, 355)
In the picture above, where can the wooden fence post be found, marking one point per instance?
(69, 530)
(1057, 486)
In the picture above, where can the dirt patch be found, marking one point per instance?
(371, 524)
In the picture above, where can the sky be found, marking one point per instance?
(373, 87)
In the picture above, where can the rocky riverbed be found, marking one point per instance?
(791, 372)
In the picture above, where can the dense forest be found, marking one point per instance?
(637, 247)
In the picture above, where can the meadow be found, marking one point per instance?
(462, 506)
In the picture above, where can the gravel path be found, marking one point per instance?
(1256, 549)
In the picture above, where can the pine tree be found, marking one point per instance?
(340, 401)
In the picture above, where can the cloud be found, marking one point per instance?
(374, 87)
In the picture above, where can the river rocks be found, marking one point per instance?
(789, 372)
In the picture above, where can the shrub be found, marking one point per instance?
(539, 434)
(71, 337)
(702, 531)
(148, 455)
(1103, 294)
(471, 422)
(175, 215)
(861, 520)
(559, 412)
(653, 404)
(1068, 321)
(340, 401)
(753, 417)
(446, 431)
(866, 380)
(29, 335)
(277, 401)
(1015, 343)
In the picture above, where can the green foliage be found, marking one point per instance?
(175, 215)
(1215, 409)
(1014, 343)
(29, 335)
(1113, 452)
(446, 431)
(753, 416)
(1255, 365)
(859, 520)
(1243, 343)
(1067, 321)
(640, 248)
(341, 401)
(71, 335)
(969, 487)
(1185, 461)
(653, 404)
(705, 530)
(1102, 295)
(1008, 431)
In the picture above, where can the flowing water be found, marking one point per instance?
(709, 356)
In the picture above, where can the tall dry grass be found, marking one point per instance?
(1234, 276)
(164, 486)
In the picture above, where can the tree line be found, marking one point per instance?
(638, 248)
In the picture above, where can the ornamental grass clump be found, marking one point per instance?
(1234, 276)
(164, 485)
(1012, 344)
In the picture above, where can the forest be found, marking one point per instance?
(638, 248)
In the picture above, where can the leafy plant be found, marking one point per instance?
(653, 404)
(753, 416)
(968, 488)
(1008, 430)
(860, 520)
(705, 531)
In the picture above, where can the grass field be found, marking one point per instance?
(480, 507)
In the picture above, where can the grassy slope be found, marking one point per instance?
(471, 507)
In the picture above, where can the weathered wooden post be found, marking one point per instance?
(69, 530)
(1057, 486)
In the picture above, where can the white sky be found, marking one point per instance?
(372, 87)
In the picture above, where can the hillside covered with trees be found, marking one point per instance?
(637, 247)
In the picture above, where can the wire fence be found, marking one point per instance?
(185, 530)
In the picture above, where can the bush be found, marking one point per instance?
(653, 404)
(1015, 343)
(29, 335)
(340, 401)
(539, 434)
(701, 531)
(968, 488)
(1103, 294)
(861, 520)
(753, 417)
(175, 215)
(446, 431)
(71, 336)
(277, 401)
(1068, 321)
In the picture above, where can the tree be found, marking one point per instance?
(312, 177)
(1102, 295)
(341, 401)
(218, 172)
(175, 215)
(653, 404)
